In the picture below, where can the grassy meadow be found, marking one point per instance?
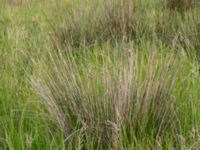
(99, 75)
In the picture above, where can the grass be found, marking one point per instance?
(99, 75)
(179, 5)
(102, 21)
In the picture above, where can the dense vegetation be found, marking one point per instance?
(99, 74)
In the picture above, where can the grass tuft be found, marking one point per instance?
(116, 96)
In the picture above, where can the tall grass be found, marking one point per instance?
(100, 75)
(109, 95)
(179, 5)
(101, 21)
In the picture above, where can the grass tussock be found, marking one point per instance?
(115, 97)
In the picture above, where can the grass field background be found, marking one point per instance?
(104, 74)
